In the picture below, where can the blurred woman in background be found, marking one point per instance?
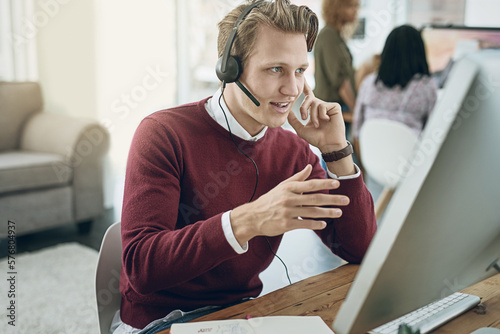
(334, 72)
(403, 89)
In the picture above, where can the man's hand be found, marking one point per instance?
(325, 128)
(278, 211)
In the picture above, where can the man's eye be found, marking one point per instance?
(275, 69)
(300, 70)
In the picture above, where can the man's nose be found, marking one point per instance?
(290, 85)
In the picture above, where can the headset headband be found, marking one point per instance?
(232, 35)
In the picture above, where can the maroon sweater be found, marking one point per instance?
(183, 172)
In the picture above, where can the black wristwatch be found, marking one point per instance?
(337, 155)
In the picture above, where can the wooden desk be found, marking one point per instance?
(323, 295)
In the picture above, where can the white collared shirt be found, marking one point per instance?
(215, 111)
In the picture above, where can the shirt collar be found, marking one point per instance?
(215, 111)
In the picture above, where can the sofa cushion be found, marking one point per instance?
(25, 170)
(37, 210)
(18, 101)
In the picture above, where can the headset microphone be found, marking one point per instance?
(229, 68)
(254, 100)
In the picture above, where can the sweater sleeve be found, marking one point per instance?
(157, 254)
(350, 235)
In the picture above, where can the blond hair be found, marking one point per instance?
(332, 12)
(280, 14)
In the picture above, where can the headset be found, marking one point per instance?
(229, 68)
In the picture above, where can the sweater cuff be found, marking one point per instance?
(346, 177)
(228, 233)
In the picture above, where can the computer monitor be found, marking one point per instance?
(446, 44)
(441, 230)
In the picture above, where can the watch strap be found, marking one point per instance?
(337, 155)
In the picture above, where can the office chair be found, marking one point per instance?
(107, 278)
(386, 149)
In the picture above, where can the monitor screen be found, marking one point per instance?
(441, 229)
(446, 44)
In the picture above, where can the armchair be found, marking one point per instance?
(51, 165)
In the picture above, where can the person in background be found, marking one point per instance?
(334, 71)
(402, 89)
(212, 186)
(367, 67)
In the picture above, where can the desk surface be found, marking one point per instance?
(323, 295)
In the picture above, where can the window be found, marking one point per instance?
(17, 41)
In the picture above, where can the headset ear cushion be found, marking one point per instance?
(233, 69)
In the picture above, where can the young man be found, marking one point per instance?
(212, 186)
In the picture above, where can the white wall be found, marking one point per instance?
(136, 67)
(66, 56)
(113, 61)
(482, 13)
(381, 17)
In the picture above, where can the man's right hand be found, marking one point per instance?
(278, 211)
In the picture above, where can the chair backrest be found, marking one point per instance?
(386, 149)
(107, 281)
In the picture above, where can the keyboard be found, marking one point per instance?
(431, 315)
